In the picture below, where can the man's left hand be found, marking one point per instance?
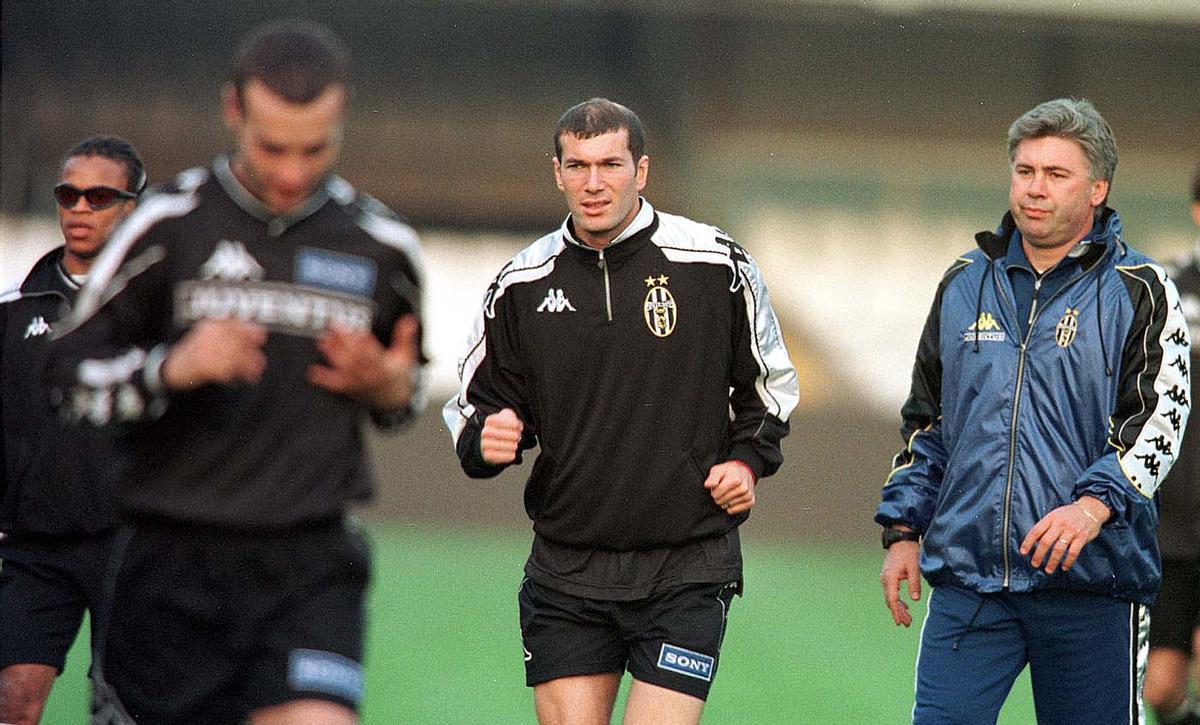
(359, 366)
(731, 485)
(1061, 534)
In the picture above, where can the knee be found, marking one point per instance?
(22, 695)
(1162, 691)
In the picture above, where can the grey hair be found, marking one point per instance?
(1071, 118)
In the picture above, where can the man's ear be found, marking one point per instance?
(231, 107)
(1099, 192)
(643, 171)
(557, 173)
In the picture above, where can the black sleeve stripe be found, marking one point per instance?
(924, 403)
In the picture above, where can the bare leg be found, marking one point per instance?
(23, 692)
(1166, 679)
(578, 700)
(653, 705)
(304, 712)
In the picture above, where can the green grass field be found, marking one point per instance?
(809, 643)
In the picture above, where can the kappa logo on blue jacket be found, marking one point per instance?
(985, 329)
(686, 662)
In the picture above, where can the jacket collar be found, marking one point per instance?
(644, 223)
(49, 275)
(277, 224)
(1105, 234)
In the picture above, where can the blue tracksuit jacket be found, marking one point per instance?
(1003, 428)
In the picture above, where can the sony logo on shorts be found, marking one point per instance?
(685, 662)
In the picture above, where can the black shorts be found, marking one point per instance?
(46, 584)
(209, 625)
(671, 639)
(1176, 612)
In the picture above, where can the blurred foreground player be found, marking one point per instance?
(620, 344)
(244, 323)
(56, 483)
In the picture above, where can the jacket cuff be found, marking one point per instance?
(746, 455)
(746, 466)
(470, 455)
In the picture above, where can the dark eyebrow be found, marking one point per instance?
(605, 160)
(1051, 167)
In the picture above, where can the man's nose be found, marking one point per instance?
(1037, 185)
(593, 178)
(292, 175)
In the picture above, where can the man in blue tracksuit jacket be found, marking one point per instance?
(1049, 395)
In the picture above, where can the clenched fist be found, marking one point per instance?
(501, 437)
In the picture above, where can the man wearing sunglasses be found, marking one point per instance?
(245, 322)
(56, 513)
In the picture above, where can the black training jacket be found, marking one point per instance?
(271, 455)
(56, 480)
(624, 366)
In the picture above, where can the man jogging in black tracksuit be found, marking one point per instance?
(619, 345)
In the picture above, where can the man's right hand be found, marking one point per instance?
(216, 351)
(903, 561)
(501, 437)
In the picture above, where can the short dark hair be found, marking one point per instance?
(598, 116)
(296, 59)
(117, 149)
(1196, 186)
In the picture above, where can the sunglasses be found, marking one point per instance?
(98, 197)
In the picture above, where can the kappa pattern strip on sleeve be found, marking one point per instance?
(1154, 404)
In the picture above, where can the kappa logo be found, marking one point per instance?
(659, 309)
(555, 301)
(230, 261)
(985, 322)
(984, 329)
(1067, 327)
(37, 326)
(686, 662)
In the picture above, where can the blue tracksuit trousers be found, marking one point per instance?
(1086, 655)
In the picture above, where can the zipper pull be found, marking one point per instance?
(600, 262)
(1037, 286)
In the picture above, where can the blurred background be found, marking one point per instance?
(852, 146)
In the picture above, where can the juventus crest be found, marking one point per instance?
(659, 309)
(1067, 327)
